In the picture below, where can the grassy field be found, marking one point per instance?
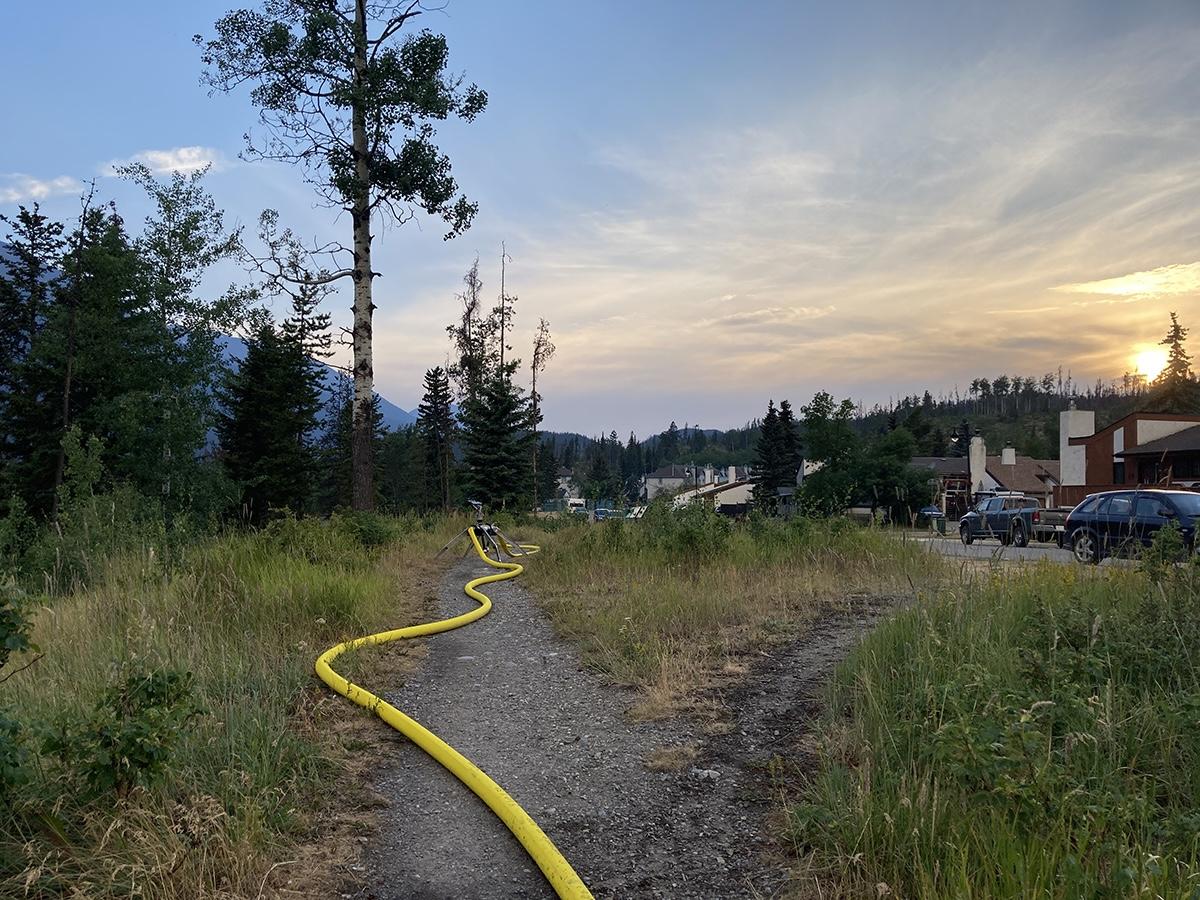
(213, 655)
(663, 602)
(1030, 734)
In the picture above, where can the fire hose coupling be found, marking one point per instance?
(484, 538)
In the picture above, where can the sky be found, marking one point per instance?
(714, 204)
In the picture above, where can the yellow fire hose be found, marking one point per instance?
(554, 866)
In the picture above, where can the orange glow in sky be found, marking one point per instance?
(1150, 362)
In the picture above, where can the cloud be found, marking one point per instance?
(177, 159)
(767, 317)
(1181, 278)
(18, 188)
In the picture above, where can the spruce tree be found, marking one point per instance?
(669, 443)
(270, 413)
(1175, 390)
(768, 460)
(435, 426)
(547, 473)
(497, 439)
(790, 453)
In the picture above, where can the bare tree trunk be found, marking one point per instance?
(362, 438)
(535, 438)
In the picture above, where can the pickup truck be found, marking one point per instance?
(1014, 519)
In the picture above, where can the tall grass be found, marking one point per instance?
(245, 614)
(660, 602)
(1032, 735)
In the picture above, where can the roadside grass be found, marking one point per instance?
(666, 602)
(256, 770)
(1034, 733)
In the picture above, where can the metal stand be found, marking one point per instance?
(492, 539)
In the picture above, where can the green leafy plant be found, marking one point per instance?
(129, 736)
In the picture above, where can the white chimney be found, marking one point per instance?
(1008, 456)
(1074, 423)
(977, 462)
(709, 475)
(732, 474)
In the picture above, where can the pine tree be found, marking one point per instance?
(435, 427)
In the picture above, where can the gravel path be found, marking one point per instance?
(514, 699)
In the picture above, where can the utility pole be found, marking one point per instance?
(503, 305)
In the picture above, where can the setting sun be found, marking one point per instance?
(1150, 362)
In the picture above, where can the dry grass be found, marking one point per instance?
(673, 758)
(673, 603)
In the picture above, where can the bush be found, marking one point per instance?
(129, 736)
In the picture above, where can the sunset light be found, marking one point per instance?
(1150, 362)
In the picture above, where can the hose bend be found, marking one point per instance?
(558, 872)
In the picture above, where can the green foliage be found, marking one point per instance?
(369, 529)
(128, 738)
(14, 756)
(1031, 736)
(270, 412)
(1167, 548)
(1176, 389)
(435, 425)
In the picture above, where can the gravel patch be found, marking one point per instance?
(515, 700)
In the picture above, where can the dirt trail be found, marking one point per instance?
(513, 698)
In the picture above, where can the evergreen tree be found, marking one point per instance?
(547, 473)
(270, 413)
(496, 440)
(335, 450)
(769, 460)
(1175, 390)
(669, 443)
(790, 452)
(435, 427)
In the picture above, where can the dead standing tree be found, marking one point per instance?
(343, 95)
(543, 351)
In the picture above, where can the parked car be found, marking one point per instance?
(602, 513)
(1012, 519)
(1114, 522)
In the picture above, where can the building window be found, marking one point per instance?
(1119, 472)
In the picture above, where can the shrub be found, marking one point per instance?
(128, 737)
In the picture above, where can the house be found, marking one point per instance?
(1033, 477)
(1140, 448)
(670, 480)
(729, 492)
(1173, 459)
(567, 490)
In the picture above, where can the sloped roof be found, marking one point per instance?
(1030, 476)
(944, 465)
(671, 472)
(1180, 441)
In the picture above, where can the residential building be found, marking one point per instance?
(1141, 448)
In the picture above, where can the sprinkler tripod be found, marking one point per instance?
(489, 535)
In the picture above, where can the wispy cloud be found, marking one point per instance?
(176, 159)
(19, 188)
(1181, 278)
(767, 317)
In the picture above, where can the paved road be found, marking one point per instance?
(948, 546)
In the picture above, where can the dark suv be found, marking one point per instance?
(1123, 521)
